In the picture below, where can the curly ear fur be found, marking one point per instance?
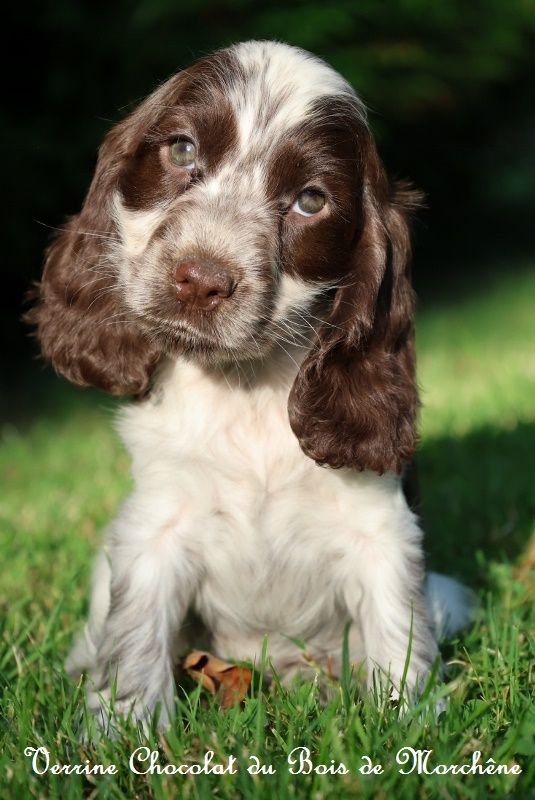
(80, 322)
(354, 401)
(82, 326)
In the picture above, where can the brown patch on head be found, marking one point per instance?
(321, 153)
(199, 111)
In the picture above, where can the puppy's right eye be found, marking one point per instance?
(183, 153)
(309, 202)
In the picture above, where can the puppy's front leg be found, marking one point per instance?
(151, 583)
(391, 612)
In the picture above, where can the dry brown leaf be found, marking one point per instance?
(213, 673)
(234, 685)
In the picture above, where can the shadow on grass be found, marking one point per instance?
(477, 495)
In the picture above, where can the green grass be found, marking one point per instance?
(64, 473)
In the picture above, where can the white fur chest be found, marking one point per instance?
(224, 477)
(224, 421)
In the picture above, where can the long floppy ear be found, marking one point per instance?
(354, 401)
(80, 321)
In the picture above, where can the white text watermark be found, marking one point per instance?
(300, 761)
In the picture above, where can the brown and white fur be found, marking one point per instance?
(271, 353)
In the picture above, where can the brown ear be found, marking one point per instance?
(354, 401)
(81, 324)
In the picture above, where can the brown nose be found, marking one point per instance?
(200, 284)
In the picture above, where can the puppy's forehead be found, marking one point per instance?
(277, 87)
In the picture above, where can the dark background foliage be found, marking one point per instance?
(448, 84)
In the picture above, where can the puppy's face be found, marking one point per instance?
(236, 205)
(241, 206)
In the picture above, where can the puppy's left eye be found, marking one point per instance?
(309, 202)
(183, 153)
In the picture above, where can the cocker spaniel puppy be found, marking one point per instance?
(240, 265)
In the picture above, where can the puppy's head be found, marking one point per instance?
(240, 203)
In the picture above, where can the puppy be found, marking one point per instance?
(240, 265)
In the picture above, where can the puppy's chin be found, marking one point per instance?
(211, 353)
(209, 356)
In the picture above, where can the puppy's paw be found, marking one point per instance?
(107, 706)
